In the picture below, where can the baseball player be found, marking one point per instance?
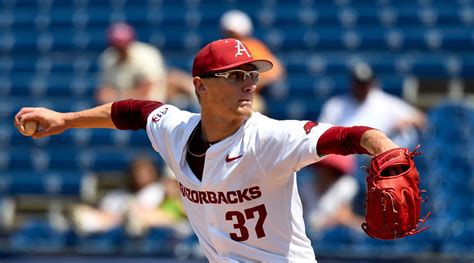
(236, 169)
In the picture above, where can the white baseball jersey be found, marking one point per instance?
(247, 207)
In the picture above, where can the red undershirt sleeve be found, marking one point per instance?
(342, 140)
(132, 114)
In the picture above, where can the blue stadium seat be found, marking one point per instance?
(337, 63)
(467, 66)
(39, 159)
(461, 238)
(160, 241)
(429, 67)
(299, 109)
(38, 236)
(449, 110)
(57, 84)
(79, 138)
(332, 240)
(109, 242)
(189, 247)
(411, 245)
(460, 208)
(64, 183)
(340, 235)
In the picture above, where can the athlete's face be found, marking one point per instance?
(230, 92)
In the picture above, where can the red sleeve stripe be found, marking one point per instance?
(342, 140)
(132, 114)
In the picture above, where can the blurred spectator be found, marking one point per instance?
(369, 105)
(143, 192)
(170, 213)
(129, 68)
(328, 201)
(237, 24)
(180, 91)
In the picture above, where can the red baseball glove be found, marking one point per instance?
(393, 200)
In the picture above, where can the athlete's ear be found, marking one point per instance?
(199, 86)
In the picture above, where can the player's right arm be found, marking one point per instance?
(124, 115)
(53, 122)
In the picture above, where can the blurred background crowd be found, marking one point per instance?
(404, 67)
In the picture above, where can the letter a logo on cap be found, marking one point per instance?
(240, 49)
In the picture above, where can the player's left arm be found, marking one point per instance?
(376, 142)
(354, 140)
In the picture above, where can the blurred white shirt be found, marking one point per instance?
(144, 62)
(380, 110)
(118, 201)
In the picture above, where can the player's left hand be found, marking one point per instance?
(393, 200)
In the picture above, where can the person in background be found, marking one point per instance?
(170, 213)
(328, 200)
(143, 192)
(181, 89)
(237, 24)
(129, 69)
(367, 104)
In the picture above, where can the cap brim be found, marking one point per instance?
(261, 65)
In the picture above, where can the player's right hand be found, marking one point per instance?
(50, 122)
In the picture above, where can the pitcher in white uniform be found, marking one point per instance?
(236, 169)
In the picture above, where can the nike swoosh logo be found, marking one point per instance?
(230, 159)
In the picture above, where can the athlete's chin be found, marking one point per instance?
(245, 103)
(245, 110)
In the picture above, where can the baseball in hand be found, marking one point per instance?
(29, 128)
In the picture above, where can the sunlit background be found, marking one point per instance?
(421, 50)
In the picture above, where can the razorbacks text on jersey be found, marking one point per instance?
(247, 207)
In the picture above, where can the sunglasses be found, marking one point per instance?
(237, 76)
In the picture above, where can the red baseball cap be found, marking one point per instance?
(120, 35)
(224, 54)
(345, 164)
